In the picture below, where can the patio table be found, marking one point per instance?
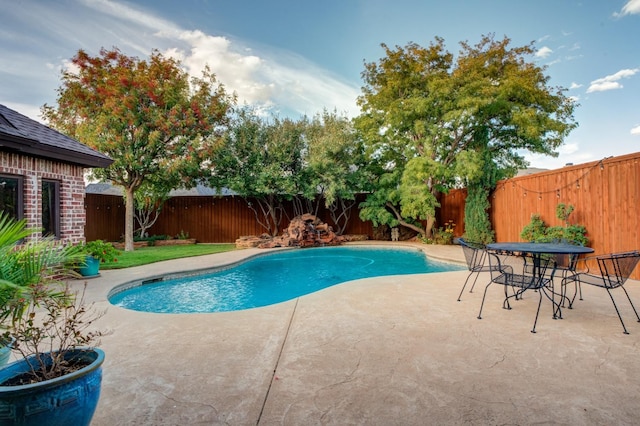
(537, 251)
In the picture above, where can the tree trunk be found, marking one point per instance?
(406, 224)
(128, 219)
(431, 221)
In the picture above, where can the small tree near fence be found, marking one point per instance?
(539, 232)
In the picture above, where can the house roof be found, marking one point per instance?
(19, 133)
(199, 190)
(530, 171)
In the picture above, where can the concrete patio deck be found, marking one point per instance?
(382, 351)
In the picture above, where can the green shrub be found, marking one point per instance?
(441, 235)
(535, 231)
(99, 249)
(538, 232)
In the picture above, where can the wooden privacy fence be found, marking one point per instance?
(605, 194)
(208, 219)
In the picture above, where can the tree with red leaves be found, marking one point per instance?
(149, 116)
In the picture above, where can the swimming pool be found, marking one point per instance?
(272, 278)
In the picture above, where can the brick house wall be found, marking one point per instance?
(71, 179)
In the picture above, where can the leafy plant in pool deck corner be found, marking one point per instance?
(28, 261)
(37, 308)
(53, 324)
(101, 250)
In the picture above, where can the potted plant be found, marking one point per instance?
(56, 379)
(97, 251)
(11, 232)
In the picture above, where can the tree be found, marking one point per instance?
(334, 169)
(149, 200)
(428, 122)
(147, 115)
(261, 161)
(477, 226)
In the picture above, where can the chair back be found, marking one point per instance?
(473, 253)
(616, 268)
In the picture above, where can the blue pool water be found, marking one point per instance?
(274, 278)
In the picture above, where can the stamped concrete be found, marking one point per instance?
(383, 351)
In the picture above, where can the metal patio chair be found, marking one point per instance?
(476, 256)
(509, 271)
(613, 271)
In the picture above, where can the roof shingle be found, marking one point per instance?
(22, 134)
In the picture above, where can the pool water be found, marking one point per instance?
(274, 278)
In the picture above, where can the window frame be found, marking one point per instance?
(53, 208)
(18, 214)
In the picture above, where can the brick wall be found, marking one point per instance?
(71, 178)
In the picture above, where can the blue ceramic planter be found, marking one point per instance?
(91, 267)
(66, 400)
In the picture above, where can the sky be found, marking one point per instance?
(295, 57)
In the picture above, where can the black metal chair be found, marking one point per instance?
(476, 256)
(614, 270)
(509, 271)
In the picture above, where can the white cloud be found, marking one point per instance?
(134, 16)
(266, 80)
(631, 8)
(603, 86)
(610, 82)
(279, 80)
(635, 130)
(575, 85)
(238, 72)
(543, 52)
(261, 76)
(568, 148)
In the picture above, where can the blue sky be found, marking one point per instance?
(294, 57)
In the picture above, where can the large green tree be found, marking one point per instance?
(261, 160)
(334, 169)
(148, 115)
(429, 121)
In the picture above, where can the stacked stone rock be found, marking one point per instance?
(303, 231)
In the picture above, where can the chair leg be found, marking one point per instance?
(474, 282)
(631, 303)
(563, 292)
(465, 285)
(579, 286)
(533, 330)
(557, 307)
(617, 311)
(483, 297)
(575, 293)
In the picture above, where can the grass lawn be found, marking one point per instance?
(146, 255)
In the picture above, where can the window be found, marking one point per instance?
(50, 208)
(11, 190)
